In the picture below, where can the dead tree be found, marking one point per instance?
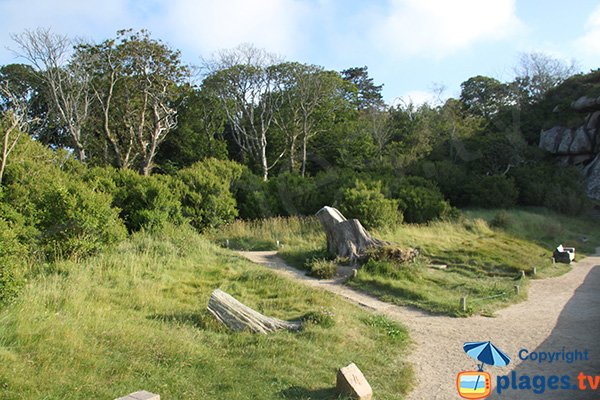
(239, 317)
(346, 238)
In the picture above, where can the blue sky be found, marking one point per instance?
(411, 46)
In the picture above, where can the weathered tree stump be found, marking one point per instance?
(239, 317)
(346, 238)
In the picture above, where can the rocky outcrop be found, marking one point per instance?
(586, 104)
(580, 146)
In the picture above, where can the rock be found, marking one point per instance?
(586, 104)
(581, 143)
(592, 178)
(550, 139)
(351, 382)
(141, 395)
(565, 143)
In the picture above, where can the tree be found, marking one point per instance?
(244, 81)
(369, 94)
(310, 96)
(30, 89)
(537, 73)
(135, 81)
(15, 120)
(484, 96)
(199, 132)
(67, 84)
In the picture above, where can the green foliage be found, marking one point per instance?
(321, 268)
(198, 132)
(77, 221)
(254, 197)
(559, 189)
(206, 197)
(492, 192)
(323, 318)
(420, 200)
(134, 311)
(295, 195)
(146, 202)
(368, 204)
(71, 218)
(13, 254)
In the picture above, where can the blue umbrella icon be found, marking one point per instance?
(486, 353)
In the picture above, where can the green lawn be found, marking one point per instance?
(485, 253)
(135, 318)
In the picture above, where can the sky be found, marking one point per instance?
(413, 47)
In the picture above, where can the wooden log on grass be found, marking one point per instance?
(239, 317)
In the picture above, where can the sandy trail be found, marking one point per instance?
(560, 312)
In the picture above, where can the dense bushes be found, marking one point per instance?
(368, 204)
(420, 200)
(205, 193)
(560, 189)
(492, 192)
(68, 216)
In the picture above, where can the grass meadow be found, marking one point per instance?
(135, 318)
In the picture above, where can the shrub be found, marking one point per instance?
(253, 197)
(69, 216)
(558, 188)
(369, 205)
(450, 178)
(75, 220)
(421, 201)
(322, 268)
(205, 193)
(148, 202)
(295, 195)
(492, 192)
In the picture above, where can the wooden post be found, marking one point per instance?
(517, 289)
(534, 270)
(522, 274)
(227, 243)
(354, 272)
(277, 243)
(463, 304)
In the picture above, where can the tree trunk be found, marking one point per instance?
(239, 317)
(346, 238)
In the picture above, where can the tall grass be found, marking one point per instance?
(135, 318)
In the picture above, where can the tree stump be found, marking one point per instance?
(346, 238)
(239, 317)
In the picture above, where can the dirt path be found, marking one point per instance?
(562, 312)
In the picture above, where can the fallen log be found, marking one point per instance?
(239, 317)
(346, 238)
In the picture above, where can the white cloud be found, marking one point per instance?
(206, 26)
(442, 27)
(589, 43)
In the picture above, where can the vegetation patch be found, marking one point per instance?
(135, 317)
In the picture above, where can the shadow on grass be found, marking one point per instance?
(203, 320)
(301, 393)
(404, 297)
(299, 258)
